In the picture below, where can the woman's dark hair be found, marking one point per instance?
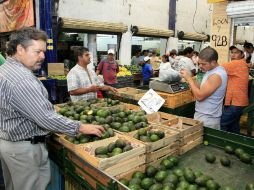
(247, 45)
(166, 57)
(24, 37)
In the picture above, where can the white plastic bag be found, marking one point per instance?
(169, 75)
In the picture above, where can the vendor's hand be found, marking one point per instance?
(185, 74)
(94, 88)
(113, 89)
(90, 129)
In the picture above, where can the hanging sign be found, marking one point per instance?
(151, 102)
(16, 14)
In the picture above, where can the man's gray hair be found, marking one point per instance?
(24, 37)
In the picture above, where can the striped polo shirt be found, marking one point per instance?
(238, 79)
(24, 108)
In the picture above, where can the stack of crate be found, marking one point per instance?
(190, 131)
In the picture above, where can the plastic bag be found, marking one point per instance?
(169, 76)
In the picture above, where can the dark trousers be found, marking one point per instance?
(230, 119)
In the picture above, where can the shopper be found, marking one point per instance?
(109, 68)
(147, 71)
(136, 58)
(155, 61)
(82, 82)
(143, 55)
(249, 49)
(210, 94)
(186, 61)
(26, 115)
(237, 90)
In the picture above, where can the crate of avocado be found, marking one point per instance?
(114, 155)
(72, 142)
(158, 140)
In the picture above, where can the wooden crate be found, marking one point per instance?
(160, 117)
(185, 126)
(55, 68)
(162, 152)
(191, 137)
(170, 137)
(177, 99)
(117, 164)
(131, 107)
(129, 92)
(190, 145)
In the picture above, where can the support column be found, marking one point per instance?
(125, 48)
(45, 7)
(92, 46)
(172, 44)
(163, 46)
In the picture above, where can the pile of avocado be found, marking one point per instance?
(119, 119)
(149, 135)
(168, 177)
(225, 161)
(113, 149)
(82, 138)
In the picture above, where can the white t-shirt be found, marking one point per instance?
(165, 66)
(186, 63)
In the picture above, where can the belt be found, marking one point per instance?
(37, 139)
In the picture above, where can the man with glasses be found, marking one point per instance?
(82, 82)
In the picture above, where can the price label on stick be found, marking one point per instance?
(151, 102)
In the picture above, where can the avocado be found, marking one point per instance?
(246, 158)
(225, 161)
(167, 163)
(249, 186)
(105, 135)
(142, 131)
(115, 125)
(110, 132)
(138, 174)
(178, 172)
(212, 185)
(127, 148)
(134, 186)
(146, 183)
(111, 147)
(122, 114)
(210, 158)
(229, 149)
(193, 187)
(118, 150)
(138, 126)
(124, 181)
(144, 138)
(84, 140)
(136, 181)
(156, 186)
(101, 150)
(150, 171)
(238, 152)
(137, 119)
(62, 111)
(171, 178)
(198, 174)
(201, 181)
(124, 129)
(160, 134)
(168, 186)
(154, 138)
(102, 113)
(189, 176)
(183, 184)
(75, 141)
(173, 159)
(160, 176)
(120, 143)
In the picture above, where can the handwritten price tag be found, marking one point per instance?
(151, 102)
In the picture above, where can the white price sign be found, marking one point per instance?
(151, 102)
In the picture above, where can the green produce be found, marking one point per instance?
(227, 188)
(124, 181)
(167, 163)
(149, 135)
(156, 186)
(135, 181)
(171, 178)
(173, 159)
(160, 176)
(150, 171)
(246, 158)
(168, 186)
(134, 186)
(138, 174)
(212, 185)
(225, 161)
(210, 158)
(229, 149)
(146, 183)
(113, 148)
(249, 186)
(238, 152)
(189, 176)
